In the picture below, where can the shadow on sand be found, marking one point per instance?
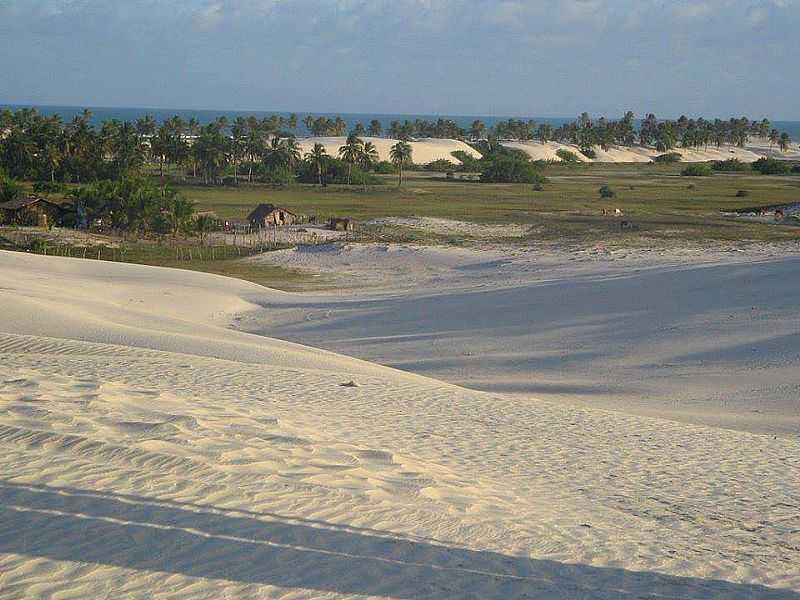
(154, 535)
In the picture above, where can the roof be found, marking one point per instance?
(263, 210)
(18, 203)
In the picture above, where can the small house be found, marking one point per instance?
(32, 210)
(268, 215)
(341, 224)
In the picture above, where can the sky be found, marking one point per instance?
(713, 58)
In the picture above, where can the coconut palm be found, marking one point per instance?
(784, 141)
(351, 153)
(317, 156)
(375, 128)
(400, 154)
(291, 150)
(369, 156)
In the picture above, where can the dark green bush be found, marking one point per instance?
(9, 189)
(607, 192)
(49, 187)
(742, 194)
(384, 167)
(732, 165)
(440, 165)
(507, 169)
(588, 152)
(567, 156)
(668, 158)
(697, 170)
(771, 166)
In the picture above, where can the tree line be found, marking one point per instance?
(37, 147)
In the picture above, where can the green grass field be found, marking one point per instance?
(657, 202)
(662, 210)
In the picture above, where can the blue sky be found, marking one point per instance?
(487, 57)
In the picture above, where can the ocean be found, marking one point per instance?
(100, 114)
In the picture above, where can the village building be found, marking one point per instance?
(268, 215)
(32, 210)
(341, 224)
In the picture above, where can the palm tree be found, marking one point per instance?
(193, 129)
(400, 155)
(291, 151)
(369, 156)
(477, 129)
(774, 138)
(784, 141)
(351, 153)
(317, 156)
(375, 128)
(203, 224)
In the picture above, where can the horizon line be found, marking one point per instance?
(383, 114)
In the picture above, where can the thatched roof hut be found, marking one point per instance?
(341, 224)
(32, 210)
(265, 215)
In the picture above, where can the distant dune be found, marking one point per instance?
(423, 151)
(635, 154)
(428, 150)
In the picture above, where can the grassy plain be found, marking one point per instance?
(662, 209)
(660, 205)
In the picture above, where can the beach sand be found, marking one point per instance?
(152, 450)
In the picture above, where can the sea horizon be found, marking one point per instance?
(203, 116)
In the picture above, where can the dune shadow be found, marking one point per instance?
(148, 534)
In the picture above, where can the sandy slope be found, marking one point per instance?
(634, 154)
(700, 336)
(428, 150)
(150, 452)
(422, 151)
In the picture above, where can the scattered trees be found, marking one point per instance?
(134, 205)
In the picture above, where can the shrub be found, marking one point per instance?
(691, 186)
(384, 167)
(771, 166)
(697, 170)
(506, 169)
(48, 187)
(335, 170)
(668, 158)
(567, 156)
(742, 194)
(589, 152)
(9, 189)
(468, 162)
(280, 175)
(732, 164)
(538, 187)
(450, 175)
(607, 192)
(440, 165)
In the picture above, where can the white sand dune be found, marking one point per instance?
(427, 150)
(149, 451)
(637, 154)
(700, 336)
(422, 151)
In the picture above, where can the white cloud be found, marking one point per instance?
(692, 10)
(208, 16)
